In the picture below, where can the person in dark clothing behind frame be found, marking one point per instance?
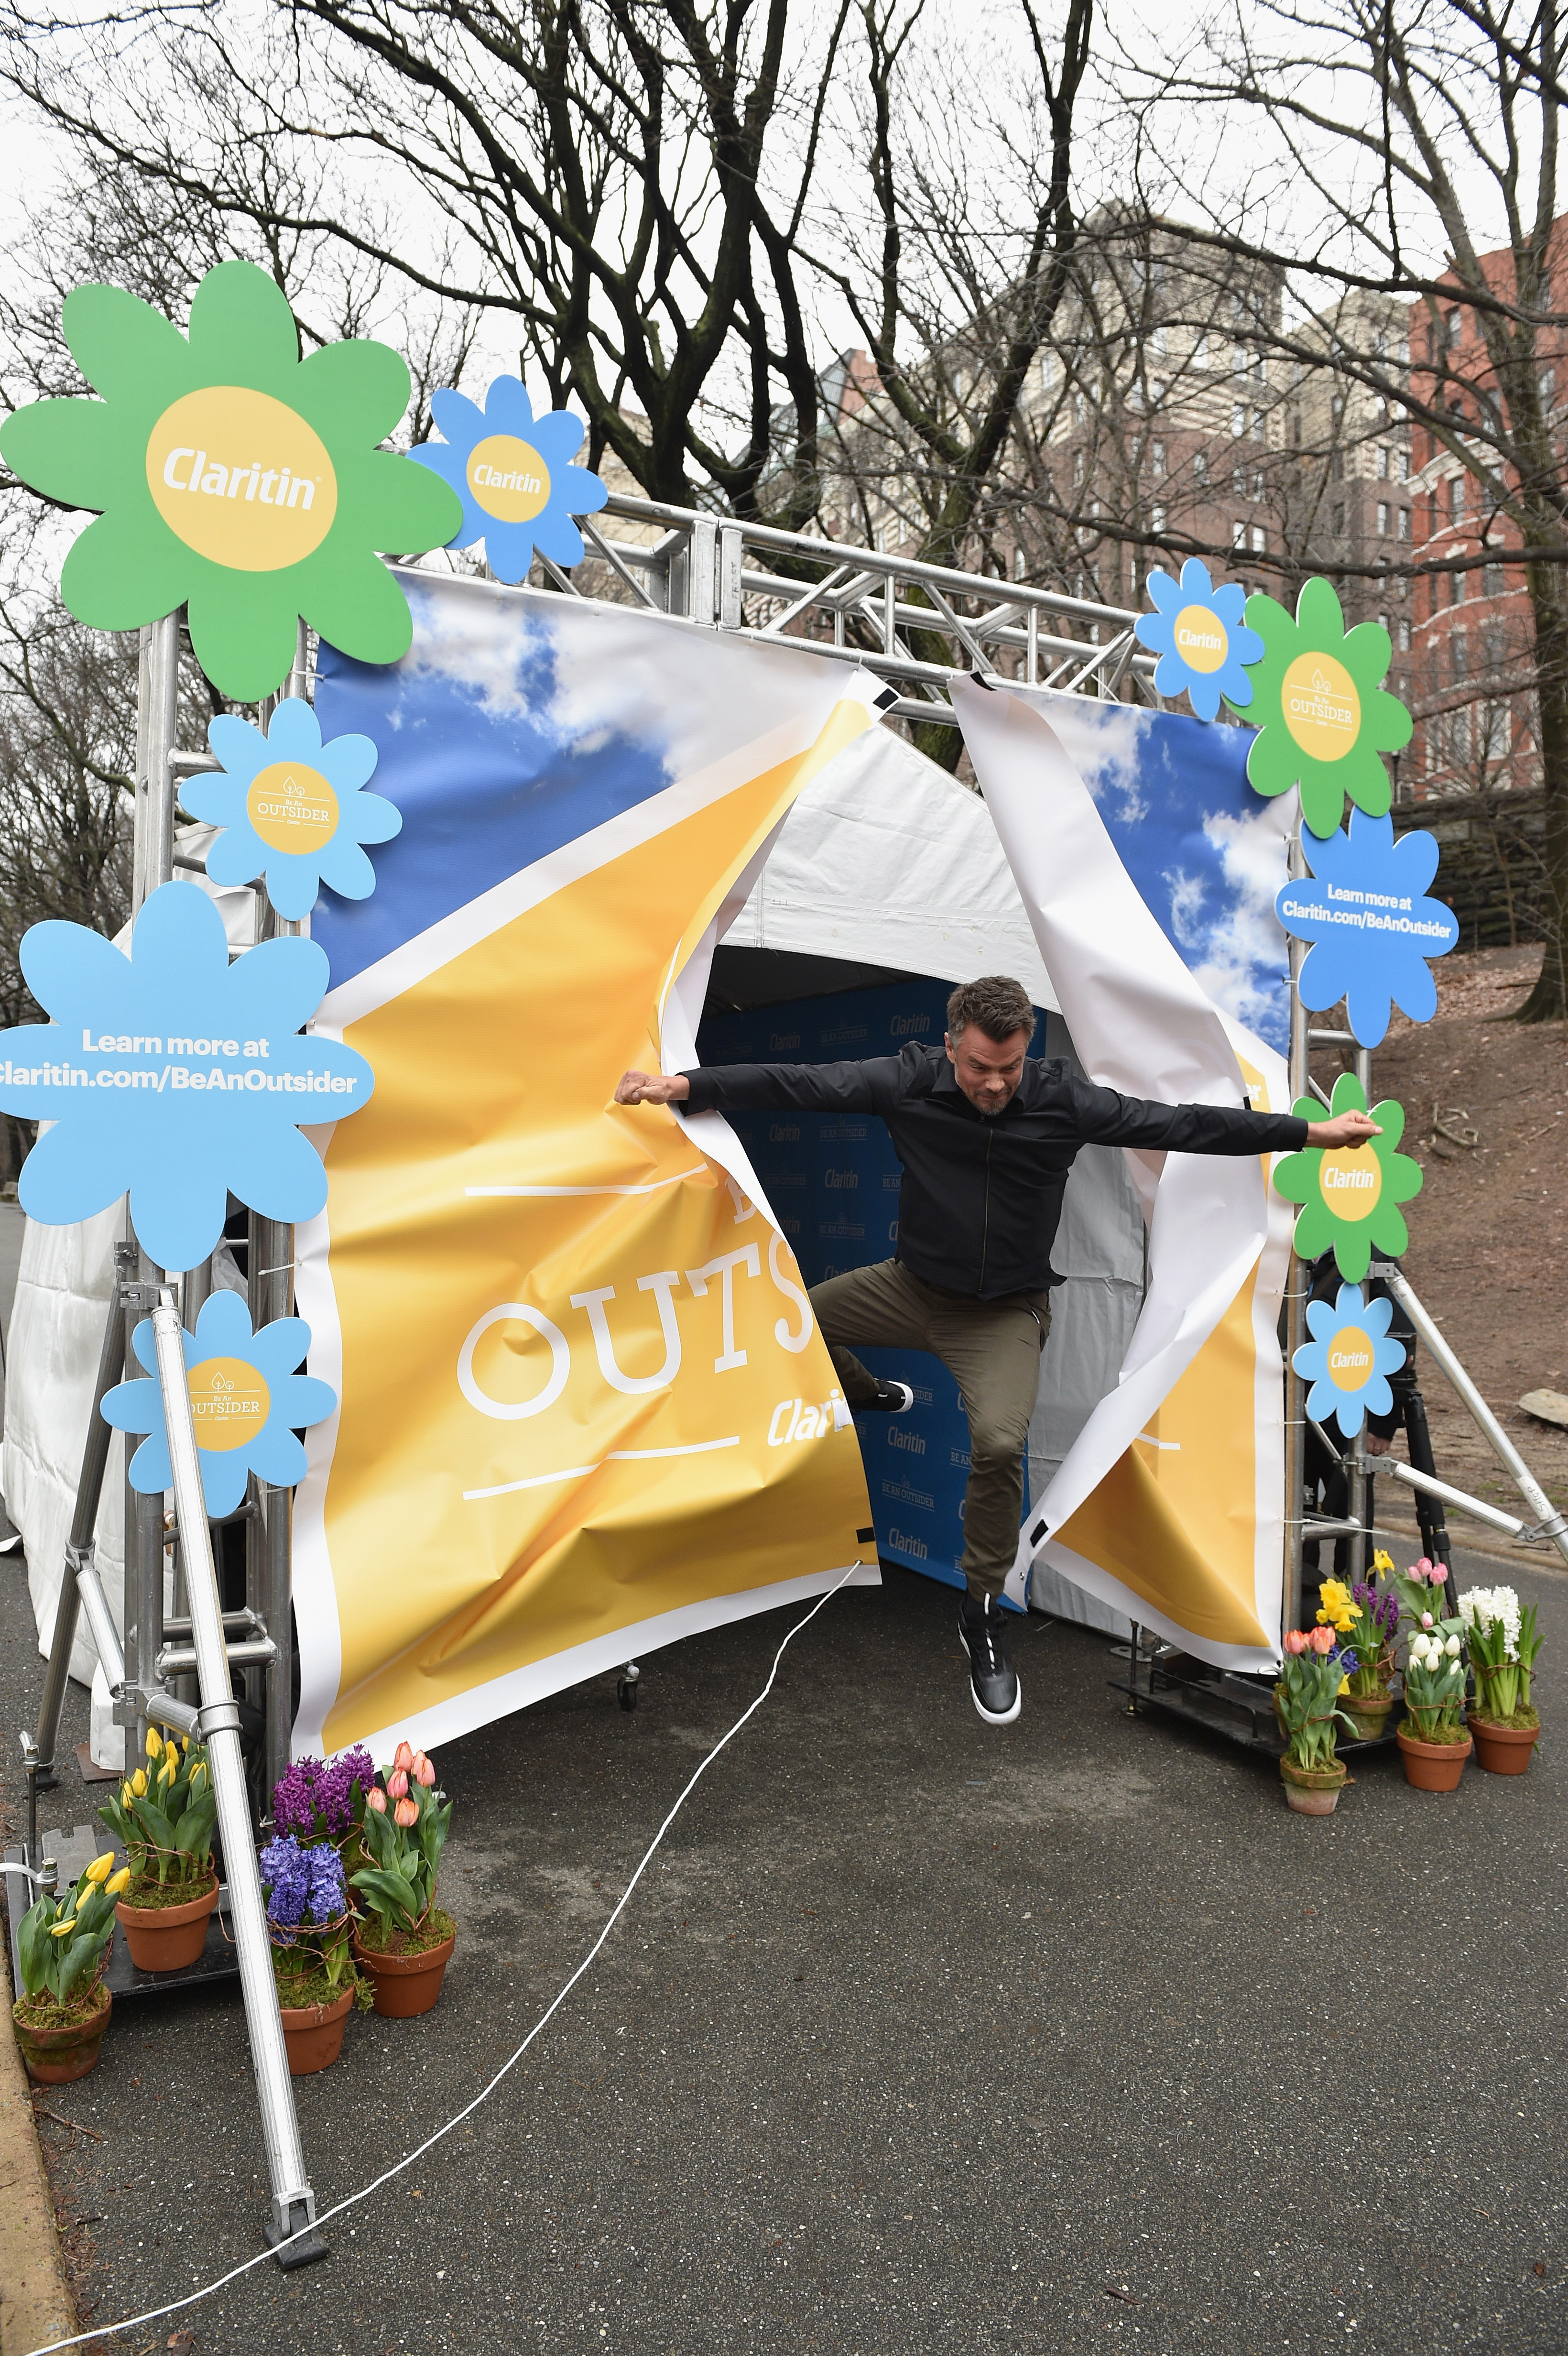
(987, 1134)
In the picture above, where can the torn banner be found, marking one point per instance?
(585, 1410)
(1169, 1505)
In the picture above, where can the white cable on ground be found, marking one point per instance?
(192, 2298)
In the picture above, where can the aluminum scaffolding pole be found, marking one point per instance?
(294, 2202)
(1552, 1524)
(1294, 1310)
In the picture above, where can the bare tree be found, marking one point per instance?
(652, 197)
(1382, 128)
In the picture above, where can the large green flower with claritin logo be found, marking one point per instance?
(1323, 717)
(1350, 1194)
(233, 477)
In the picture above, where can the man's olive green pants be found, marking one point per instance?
(991, 1348)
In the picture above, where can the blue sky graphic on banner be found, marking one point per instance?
(1207, 855)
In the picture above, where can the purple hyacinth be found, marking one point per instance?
(317, 1800)
(304, 1886)
(286, 1877)
(1380, 1606)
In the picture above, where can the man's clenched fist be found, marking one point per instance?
(652, 1087)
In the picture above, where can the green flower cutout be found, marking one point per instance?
(1350, 1198)
(233, 477)
(1323, 718)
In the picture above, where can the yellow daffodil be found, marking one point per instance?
(122, 1880)
(1383, 1562)
(101, 1866)
(59, 1928)
(139, 1782)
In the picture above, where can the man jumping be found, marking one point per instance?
(987, 1136)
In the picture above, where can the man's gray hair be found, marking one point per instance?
(995, 1004)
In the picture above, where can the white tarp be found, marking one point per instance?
(885, 861)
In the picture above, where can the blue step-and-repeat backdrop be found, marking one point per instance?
(833, 1180)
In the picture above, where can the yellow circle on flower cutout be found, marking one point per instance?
(1352, 1179)
(241, 478)
(230, 1402)
(1349, 1359)
(1200, 638)
(508, 478)
(292, 807)
(1322, 706)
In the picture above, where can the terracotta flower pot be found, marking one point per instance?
(1432, 1766)
(167, 1938)
(1312, 1791)
(54, 2056)
(1503, 1749)
(406, 1985)
(1370, 1713)
(314, 2033)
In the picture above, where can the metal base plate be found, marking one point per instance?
(1229, 1702)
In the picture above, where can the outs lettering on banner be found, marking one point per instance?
(1372, 927)
(511, 471)
(664, 1285)
(292, 807)
(232, 477)
(173, 1075)
(1348, 1359)
(247, 1403)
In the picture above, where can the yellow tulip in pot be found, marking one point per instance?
(404, 1940)
(62, 1944)
(165, 1815)
(1307, 1704)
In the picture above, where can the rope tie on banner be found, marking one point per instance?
(352, 2199)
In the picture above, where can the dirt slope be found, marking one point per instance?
(1489, 1229)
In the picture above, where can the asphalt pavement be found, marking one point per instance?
(918, 2035)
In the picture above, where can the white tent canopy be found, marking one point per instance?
(885, 861)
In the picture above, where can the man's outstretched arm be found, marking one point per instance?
(873, 1086)
(1105, 1118)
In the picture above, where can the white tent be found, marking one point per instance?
(885, 862)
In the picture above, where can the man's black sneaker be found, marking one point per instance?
(892, 1398)
(993, 1682)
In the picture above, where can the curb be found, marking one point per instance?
(36, 2304)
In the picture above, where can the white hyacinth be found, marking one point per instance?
(1481, 1606)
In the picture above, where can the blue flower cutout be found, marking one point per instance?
(1201, 641)
(510, 470)
(174, 1074)
(1348, 1359)
(247, 1403)
(291, 808)
(1371, 929)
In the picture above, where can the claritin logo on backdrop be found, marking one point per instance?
(897, 1537)
(785, 1039)
(267, 500)
(912, 1443)
(793, 1421)
(908, 1026)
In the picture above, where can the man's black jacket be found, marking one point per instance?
(981, 1196)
